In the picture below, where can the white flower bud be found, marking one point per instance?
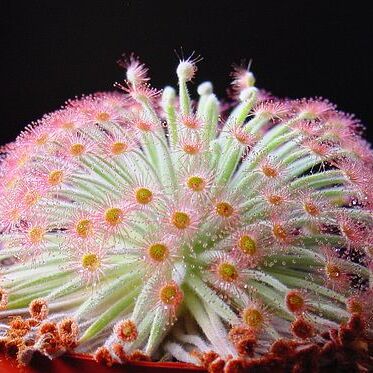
(248, 93)
(205, 88)
(132, 75)
(186, 70)
(168, 95)
(249, 79)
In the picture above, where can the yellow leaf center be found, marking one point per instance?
(144, 196)
(180, 220)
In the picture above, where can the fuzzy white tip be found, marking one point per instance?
(248, 93)
(132, 75)
(205, 88)
(249, 79)
(168, 96)
(186, 70)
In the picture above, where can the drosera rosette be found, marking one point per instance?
(140, 225)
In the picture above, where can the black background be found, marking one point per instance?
(53, 50)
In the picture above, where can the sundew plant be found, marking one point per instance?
(146, 225)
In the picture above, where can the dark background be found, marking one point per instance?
(53, 50)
